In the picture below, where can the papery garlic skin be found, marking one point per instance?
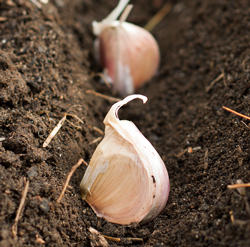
(128, 53)
(126, 180)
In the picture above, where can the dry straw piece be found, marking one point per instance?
(126, 180)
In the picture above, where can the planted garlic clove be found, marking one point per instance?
(128, 53)
(126, 180)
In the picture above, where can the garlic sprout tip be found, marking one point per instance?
(113, 112)
(110, 20)
(116, 12)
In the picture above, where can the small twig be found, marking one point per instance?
(218, 78)
(120, 239)
(73, 107)
(76, 126)
(196, 148)
(103, 96)
(54, 131)
(42, 92)
(236, 186)
(20, 208)
(101, 75)
(206, 159)
(125, 13)
(243, 193)
(134, 239)
(96, 140)
(231, 216)
(112, 238)
(156, 19)
(240, 158)
(58, 127)
(235, 112)
(80, 161)
(245, 124)
(98, 130)
(181, 153)
(72, 115)
(2, 18)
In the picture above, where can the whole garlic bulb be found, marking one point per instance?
(128, 53)
(126, 180)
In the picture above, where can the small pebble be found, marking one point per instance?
(44, 205)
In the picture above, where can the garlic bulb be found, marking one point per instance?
(128, 53)
(126, 180)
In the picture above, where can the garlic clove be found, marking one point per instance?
(128, 53)
(126, 180)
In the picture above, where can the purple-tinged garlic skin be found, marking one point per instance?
(126, 180)
(129, 54)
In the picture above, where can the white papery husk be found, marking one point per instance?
(126, 180)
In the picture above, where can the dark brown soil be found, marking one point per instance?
(46, 59)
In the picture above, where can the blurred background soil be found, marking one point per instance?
(46, 63)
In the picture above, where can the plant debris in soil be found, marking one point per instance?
(46, 63)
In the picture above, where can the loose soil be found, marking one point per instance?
(46, 62)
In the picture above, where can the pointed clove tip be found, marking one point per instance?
(145, 99)
(135, 96)
(112, 115)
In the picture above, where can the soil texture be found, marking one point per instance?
(46, 67)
